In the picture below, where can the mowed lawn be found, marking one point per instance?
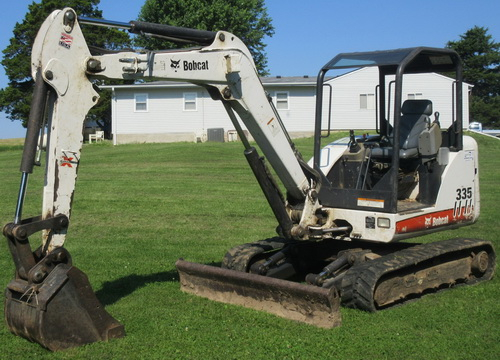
(138, 208)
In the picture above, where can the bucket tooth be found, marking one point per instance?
(60, 313)
(305, 303)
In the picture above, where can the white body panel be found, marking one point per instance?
(457, 202)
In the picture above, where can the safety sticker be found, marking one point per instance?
(376, 203)
(273, 126)
(66, 41)
(468, 156)
(69, 158)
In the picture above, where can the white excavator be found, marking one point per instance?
(340, 221)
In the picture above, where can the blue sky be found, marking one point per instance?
(309, 33)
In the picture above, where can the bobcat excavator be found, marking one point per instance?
(339, 224)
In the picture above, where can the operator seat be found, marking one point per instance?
(414, 120)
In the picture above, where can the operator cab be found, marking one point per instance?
(399, 168)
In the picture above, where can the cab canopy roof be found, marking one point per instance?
(412, 60)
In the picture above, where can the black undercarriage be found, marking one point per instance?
(369, 276)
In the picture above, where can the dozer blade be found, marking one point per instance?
(60, 313)
(305, 303)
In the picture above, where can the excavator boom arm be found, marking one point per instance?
(225, 68)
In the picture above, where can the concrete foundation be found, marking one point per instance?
(184, 137)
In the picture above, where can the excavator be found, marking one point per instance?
(341, 216)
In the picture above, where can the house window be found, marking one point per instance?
(415, 96)
(282, 100)
(367, 101)
(141, 102)
(190, 101)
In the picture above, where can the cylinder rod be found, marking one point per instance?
(174, 33)
(20, 198)
(104, 22)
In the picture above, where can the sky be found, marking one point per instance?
(309, 33)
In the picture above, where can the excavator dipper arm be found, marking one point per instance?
(50, 301)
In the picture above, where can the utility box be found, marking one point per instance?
(232, 135)
(215, 134)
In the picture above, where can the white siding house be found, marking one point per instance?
(353, 105)
(168, 111)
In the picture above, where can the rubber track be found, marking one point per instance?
(239, 257)
(359, 283)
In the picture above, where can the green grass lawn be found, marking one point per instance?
(138, 208)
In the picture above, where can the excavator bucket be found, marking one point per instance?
(61, 312)
(305, 303)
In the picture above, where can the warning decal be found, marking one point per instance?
(376, 203)
(69, 158)
(66, 40)
(273, 126)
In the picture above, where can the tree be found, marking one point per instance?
(481, 58)
(15, 99)
(247, 19)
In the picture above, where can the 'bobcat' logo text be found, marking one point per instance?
(195, 65)
(189, 65)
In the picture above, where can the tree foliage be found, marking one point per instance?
(481, 58)
(247, 19)
(15, 99)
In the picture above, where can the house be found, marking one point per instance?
(354, 97)
(169, 111)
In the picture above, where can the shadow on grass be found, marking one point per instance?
(113, 291)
